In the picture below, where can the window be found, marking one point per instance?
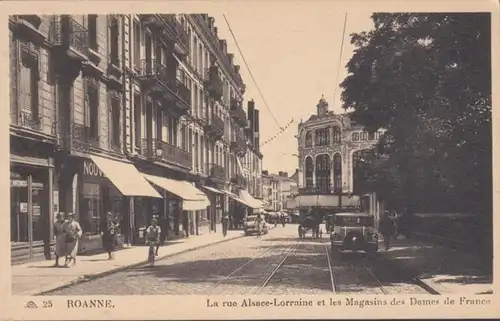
(137, 45)
(29, 115)
(196, 164)
(336, 134)
(115, 121)
(322, 137)
(202, 158)
(308, 139)
(183, 137)
(137, 120)
(114, 33)
(195, 101)
(159, 124)
(92, 108)
(371, 136)
(309, 172)
(323, 174)
(92, 25)
(355, 136)
(364, 136)
(337, 170)
(91, 210)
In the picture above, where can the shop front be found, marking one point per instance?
(31, 212)
(217, 202)
(98, 185)
(182, 200)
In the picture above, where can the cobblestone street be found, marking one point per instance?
(277, 263)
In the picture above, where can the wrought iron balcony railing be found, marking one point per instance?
(238, 112)
(238, 144)
(216, 171)
(83, 137)
(66, 31)
(213, 83)
(154, 70)
(159, 150)
(183, 92)
(215, 127)
(28, 120)
(180, 36)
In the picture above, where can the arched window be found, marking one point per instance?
(336, 134)
(323, 174)
(322, 137)
(355, 137)
(337, 173)
(309, 168)
(309, 139)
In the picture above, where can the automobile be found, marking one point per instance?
(251, 225)
(353, 232)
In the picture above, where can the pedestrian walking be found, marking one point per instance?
(387, 229)
(109, 234)
(225, 222)
(258, 221)
(73, 232)
(60, 237)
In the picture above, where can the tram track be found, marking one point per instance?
(250, 273)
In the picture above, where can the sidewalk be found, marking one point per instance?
(442, 269)
(38, 277)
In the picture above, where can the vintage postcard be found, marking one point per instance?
(248, 159)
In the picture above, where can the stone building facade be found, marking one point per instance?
(133, 115)
(329, 147)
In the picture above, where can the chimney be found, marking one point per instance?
(237, 69)
(285, 174)
(215, 31)
(230, 58)
(265, 173)
(210, 22)
(223, 46)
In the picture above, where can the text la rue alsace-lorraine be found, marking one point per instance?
(347, 302)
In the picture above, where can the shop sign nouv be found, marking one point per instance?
(91, 169)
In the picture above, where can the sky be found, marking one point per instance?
(294, 58)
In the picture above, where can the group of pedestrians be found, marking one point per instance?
(68, 233)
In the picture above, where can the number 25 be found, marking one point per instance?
(47, 304)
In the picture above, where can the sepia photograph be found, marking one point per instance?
(254, 155)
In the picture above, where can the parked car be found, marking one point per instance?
(251, 225)
(354, 232)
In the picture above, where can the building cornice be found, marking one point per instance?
(197, 22)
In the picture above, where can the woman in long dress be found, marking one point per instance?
(109, 231)
(73, 233)
(60, 237)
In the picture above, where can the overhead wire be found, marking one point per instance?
(340, 61)
(250, 72)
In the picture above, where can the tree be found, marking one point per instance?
(426, 79)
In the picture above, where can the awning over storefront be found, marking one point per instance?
(291, 204)
(328, 200)
(126, 178)
(236, 198)
(249, 200)
(213, 189)
(196, 205)
(192, 198)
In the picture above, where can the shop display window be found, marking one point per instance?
(91, 209)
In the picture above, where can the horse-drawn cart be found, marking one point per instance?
(310, 224)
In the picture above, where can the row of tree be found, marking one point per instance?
(426, 79)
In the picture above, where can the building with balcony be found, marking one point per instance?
(330, 146)
(67, 123)
(214, 132)
(270, 191)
